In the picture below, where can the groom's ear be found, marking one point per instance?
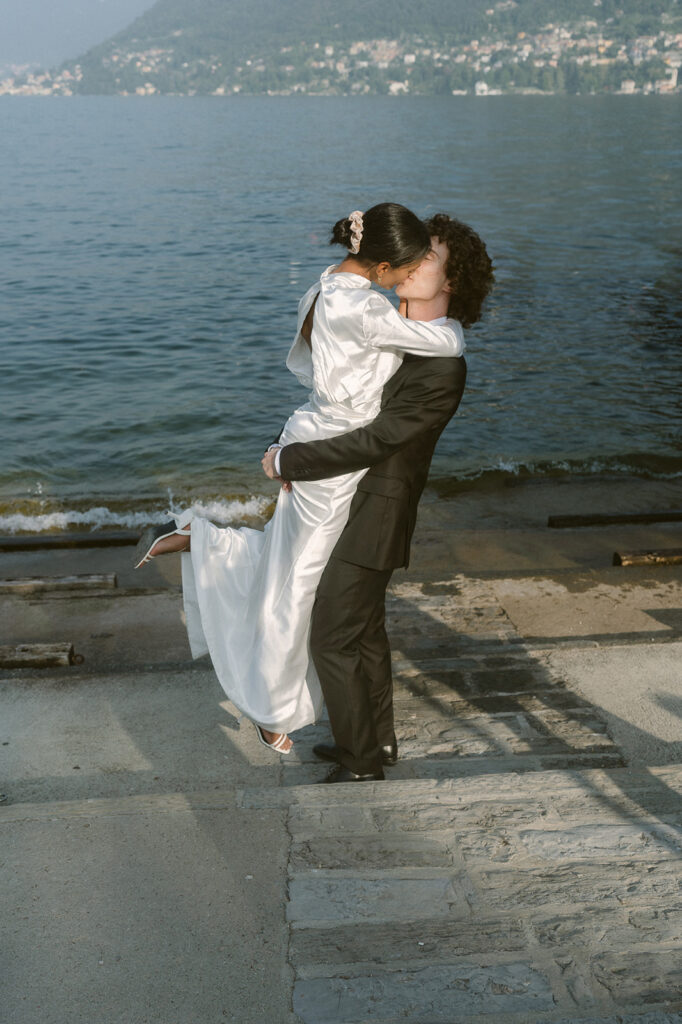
(450, 285)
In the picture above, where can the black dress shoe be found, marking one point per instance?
(342, 774)
(389, 753)
(326, 752)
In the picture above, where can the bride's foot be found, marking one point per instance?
(159, 540)
(277, 741)
(176, 542)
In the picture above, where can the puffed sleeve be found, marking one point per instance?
(299, 359)
(384, 327)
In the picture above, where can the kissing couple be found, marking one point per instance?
(293, 616)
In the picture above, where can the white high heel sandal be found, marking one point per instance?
(278, 745)
(153, 534)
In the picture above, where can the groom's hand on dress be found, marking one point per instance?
(268, 464)
(270, 469)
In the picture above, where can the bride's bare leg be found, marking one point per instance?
(272, 737)
(176, 542)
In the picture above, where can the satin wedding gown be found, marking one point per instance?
(248, 594)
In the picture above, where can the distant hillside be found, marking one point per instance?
(351, 46)
(232, 30)
(236, 26)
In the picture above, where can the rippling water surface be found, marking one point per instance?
(153, 252)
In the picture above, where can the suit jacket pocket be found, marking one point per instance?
(375, 535)
(387, 486)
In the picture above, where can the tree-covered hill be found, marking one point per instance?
(235, 27)
(230, 46)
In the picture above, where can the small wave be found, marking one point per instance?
(647, 467)
(98, 517)
(228, 512)
(652, 468)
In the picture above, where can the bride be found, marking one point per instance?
(248, 594)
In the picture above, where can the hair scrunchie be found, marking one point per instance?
(355, 219)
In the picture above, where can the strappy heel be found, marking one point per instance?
(153, 534)
(278, 745)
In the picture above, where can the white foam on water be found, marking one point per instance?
(231, 511)
(225, 512)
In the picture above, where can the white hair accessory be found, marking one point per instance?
(355, 219)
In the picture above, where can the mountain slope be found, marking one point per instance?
(438, 46)
(235, 26)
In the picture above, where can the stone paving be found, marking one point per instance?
(514, 869)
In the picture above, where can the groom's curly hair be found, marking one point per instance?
(469, 269)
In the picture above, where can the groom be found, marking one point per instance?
(348, 640)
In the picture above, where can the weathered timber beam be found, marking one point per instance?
(562, 522)
(664, 556)
(40, 584)
(38, 656)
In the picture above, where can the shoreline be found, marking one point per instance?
(485, 532)
(494, 499)
(495, 535)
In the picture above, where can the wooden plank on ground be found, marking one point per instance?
(38, 541)
(562, 522)
(38, 656)
(663, 556)
(41, 584)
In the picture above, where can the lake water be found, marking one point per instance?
(152, 253)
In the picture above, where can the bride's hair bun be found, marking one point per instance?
(388, 233)
(341, 233)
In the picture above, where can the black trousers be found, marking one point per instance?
(353, 660)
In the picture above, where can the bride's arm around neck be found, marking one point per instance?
(385, 328)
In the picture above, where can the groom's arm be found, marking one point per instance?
(425, 401)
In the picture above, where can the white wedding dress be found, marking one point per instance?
(248, 594)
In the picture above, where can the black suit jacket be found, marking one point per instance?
(417, 403)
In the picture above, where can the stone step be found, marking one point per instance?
(432, 818)
(446, 737)
(465, 766)
(487, 899)
(461, 717)
(449, 643)
(429, 731)
(422, 623)
(613, 788)
(323, 952)
(456, 683)
(657, 1017)
(426, 995)
(478, 656)
(451, 704)
(448, 845)
(513, 992)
